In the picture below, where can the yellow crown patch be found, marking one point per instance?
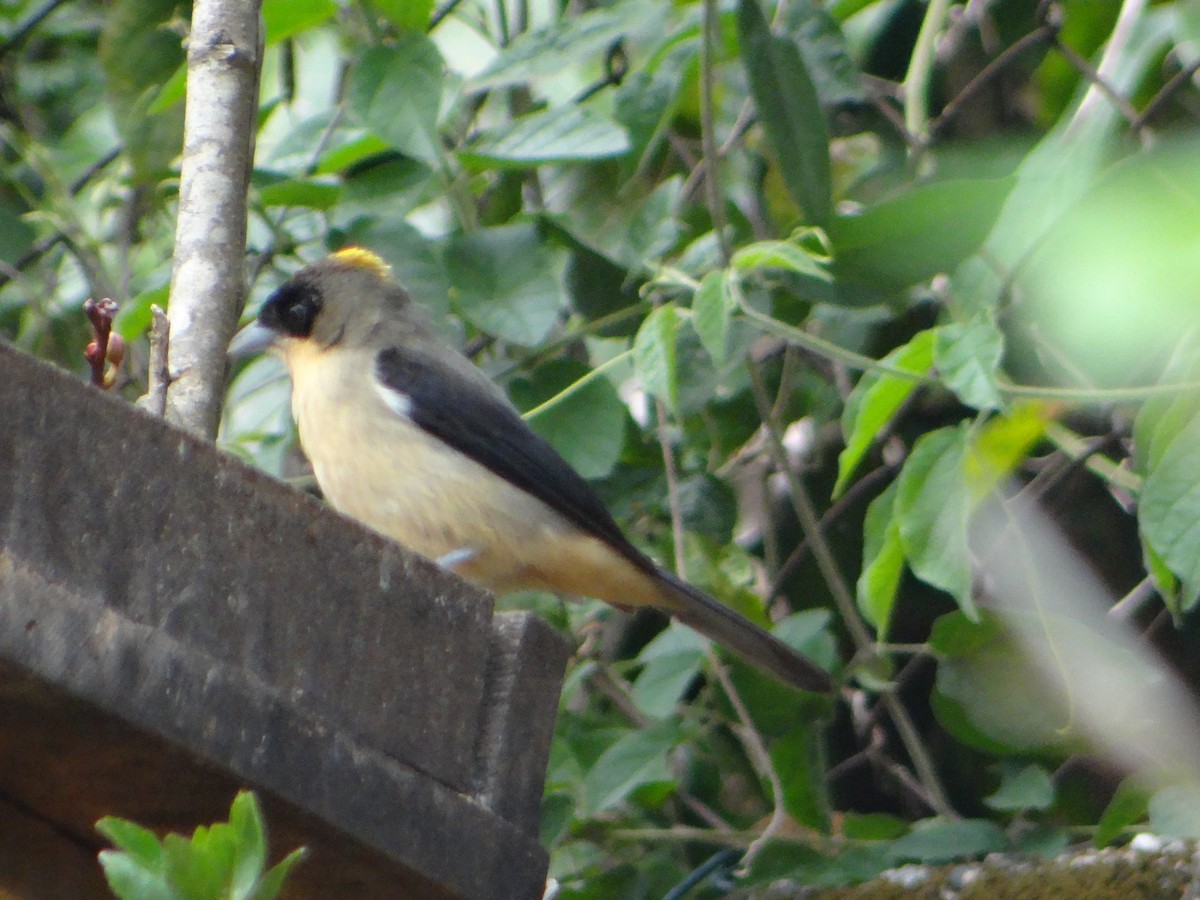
(361, 258)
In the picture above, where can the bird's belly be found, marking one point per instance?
(392, 476)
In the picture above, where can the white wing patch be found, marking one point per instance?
(397, 401)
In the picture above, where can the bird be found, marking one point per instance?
(409, 437)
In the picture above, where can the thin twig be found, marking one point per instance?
(441, 13)
(708, 140)
(760, 758)
(673, 504)
(155, 400)
(1043, 35)
(1112, 58)
(1178, 80)
(26, 28)
(920, 70)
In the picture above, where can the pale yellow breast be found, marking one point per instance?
(387, 473)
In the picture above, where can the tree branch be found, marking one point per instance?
(208, 279)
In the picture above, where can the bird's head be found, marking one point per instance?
(344, 296)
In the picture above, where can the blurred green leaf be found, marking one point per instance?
(790, 111)
(884, 247)
(1128, 806)
(872, 826)
(941, 841)
(305, 192)
(570, 41)
(1175, 811)
(712, 305)
(1023, 788)
(800, 759)
(631, 227)
(967, 359)
(654, 352)
(408, 15)
(671, 663)
(788, 256)
(285, 18)
(826, 56)
(586, 426)
(638, 759)
(932, 508)
(988, 696)
(883, 562)
(140, 49)
(396, 92)
(565, 134)
(876, 398)
(16, 235)
(507, 281)
(1170, 506)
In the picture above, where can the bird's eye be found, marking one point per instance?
(292, 310)
(297, 317)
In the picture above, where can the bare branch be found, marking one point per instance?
(159, 380)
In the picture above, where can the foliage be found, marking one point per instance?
(798, 286)
(223, 861)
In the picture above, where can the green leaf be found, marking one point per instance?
(654, 353)
(941, 841)
(561, 135)
(711, 307)
(967, 358)
(139, 51)
(587, 426)
(249, 840)
(16, 236)
(139, 843)
(876, 398)
(671, 663)
(396, 92)
(790, 111)
(507, 281)
(271, 883)
(788, 256)
(285, 18)
(883, 562)
(817, 34)
(631, 227)
(989, 696)
(872, 826)
(638, 759)
(1025, 788)
(933, 505)
(306, 193)
(1127, 807)
(1175, 811)
(1170, 507)
(171, 93)
(407, 15)
(130, 879)
(570, 41)
(799, 758)
(881, 248)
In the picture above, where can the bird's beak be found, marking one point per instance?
(250, 340)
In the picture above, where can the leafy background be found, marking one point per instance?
(796, 285)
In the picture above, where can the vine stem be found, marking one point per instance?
(920, 70)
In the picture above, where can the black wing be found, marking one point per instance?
(480, 425)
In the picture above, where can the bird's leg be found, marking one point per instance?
(455, 558)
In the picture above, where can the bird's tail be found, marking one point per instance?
(715, 620)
